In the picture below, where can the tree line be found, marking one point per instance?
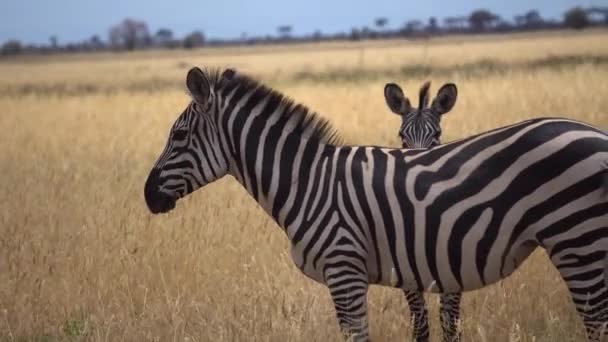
(131, 34)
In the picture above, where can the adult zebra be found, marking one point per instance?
(446, 219)
(421, 128)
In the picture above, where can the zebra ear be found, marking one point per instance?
(446, 99)
(229, 74)
(198, 85)
(395, 99)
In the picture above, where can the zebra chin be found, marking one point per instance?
(160, 203)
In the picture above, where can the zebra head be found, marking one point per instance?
(420, 127)
(192, 156)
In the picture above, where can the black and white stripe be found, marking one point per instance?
(453, 218)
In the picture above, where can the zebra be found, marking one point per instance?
(453, 218)
(420, 128)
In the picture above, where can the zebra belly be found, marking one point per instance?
(492, 273)
(470, 276)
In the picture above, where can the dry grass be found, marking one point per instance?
(81, 258)
(280, 63)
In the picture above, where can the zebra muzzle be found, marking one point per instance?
(156, 200)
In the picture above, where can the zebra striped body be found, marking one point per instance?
(453, 218)
(474, 234)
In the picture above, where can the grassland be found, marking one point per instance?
(81, 259)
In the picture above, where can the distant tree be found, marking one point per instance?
(503, 26)
(194, 40)
(450, 23)
(114, 37)
(366, 32)
(11, 48)
(455, 24)
(413, 26)
(284, 31)
(533, 19)
(54, 42)
(381, 23)
(130, 34)
(529, 20)
(71, 47)
(317, 35)
(96, 43)
(433, 26)
(355, 34)
(163, 37)
(480, 20)
(576, 18)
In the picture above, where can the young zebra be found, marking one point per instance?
(421, 128)
(453, 218)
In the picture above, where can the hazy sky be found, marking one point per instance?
(71, 20)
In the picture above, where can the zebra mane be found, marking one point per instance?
(423, 100)
(308, 122)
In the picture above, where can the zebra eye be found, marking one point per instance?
(180, 134)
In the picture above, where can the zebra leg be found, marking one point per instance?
(585, 276)
(449, 316)
(348, 289)
(419, 315)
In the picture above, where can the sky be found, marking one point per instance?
(34, 21)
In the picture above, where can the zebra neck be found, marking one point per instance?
(276, 172)
(273, 144)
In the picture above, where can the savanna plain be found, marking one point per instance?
(82, 259)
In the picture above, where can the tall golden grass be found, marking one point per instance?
(81, 259)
